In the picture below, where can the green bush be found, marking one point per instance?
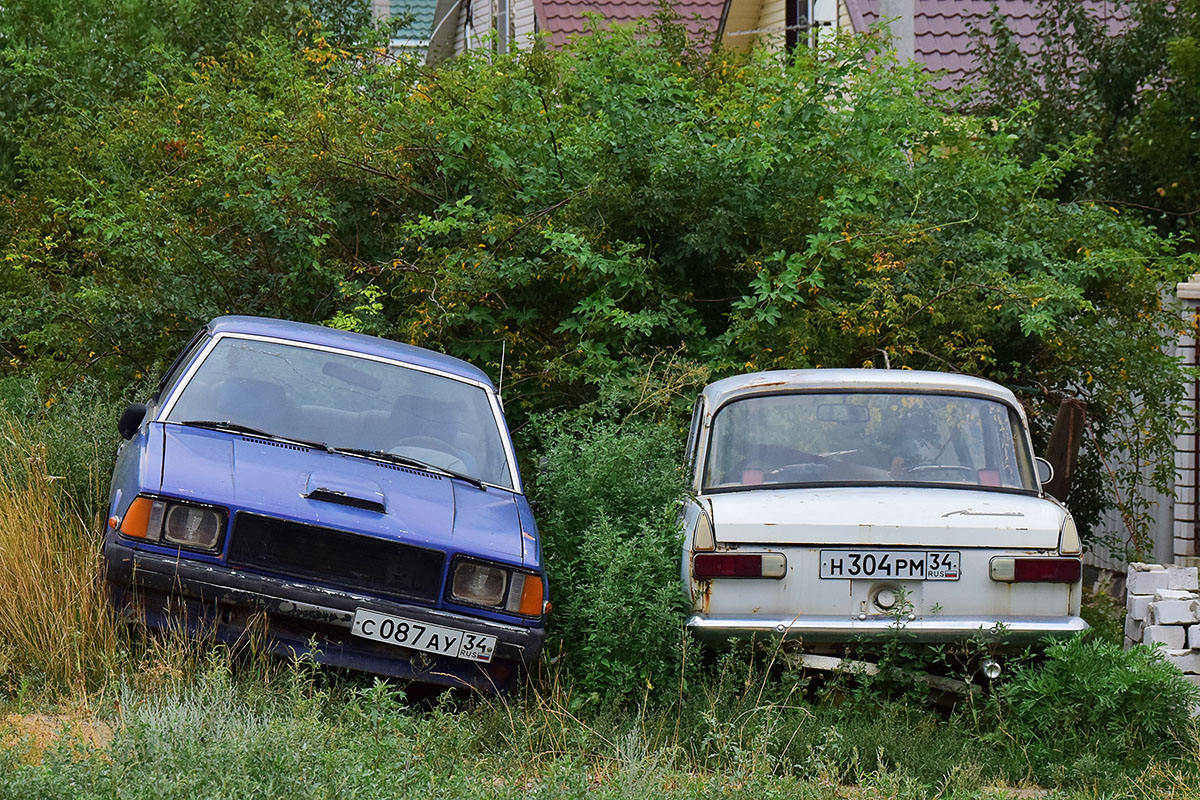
(1091, 711)
(607, 499)
(77, 426)
(587, 211)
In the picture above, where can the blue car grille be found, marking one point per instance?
(336, 558)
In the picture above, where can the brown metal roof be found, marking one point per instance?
(942, 29)
(564, 18)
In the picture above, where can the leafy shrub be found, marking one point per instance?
(607, 499)
(756, 214)
(77, 428)
(1092, 710)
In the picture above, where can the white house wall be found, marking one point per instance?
(524, 22)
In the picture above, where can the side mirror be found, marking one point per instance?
(131, 420)
(1045, 472)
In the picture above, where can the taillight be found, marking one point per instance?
(1036, 570)
(739, 565)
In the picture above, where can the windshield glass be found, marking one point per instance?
(867, 438)
(346, 401)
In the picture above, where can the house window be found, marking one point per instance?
(809, 22)
(796, 22)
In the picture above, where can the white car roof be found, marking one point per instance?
(900, 380)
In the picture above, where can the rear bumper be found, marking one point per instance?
(1008, 630)
(303, 619)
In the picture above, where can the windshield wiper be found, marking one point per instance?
(394, 458)
(237, 427)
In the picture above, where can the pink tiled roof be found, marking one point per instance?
(564, 18)
(942, 29)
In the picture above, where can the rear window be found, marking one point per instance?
(867, 439)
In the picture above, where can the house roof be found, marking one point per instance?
(565, 18)
(943, 28)
(419, 28)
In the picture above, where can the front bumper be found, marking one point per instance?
(303, 619)
(1015, 631)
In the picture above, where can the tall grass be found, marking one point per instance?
(56, 631)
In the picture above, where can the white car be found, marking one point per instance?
(836, 505)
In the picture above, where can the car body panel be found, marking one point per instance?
(886, 516)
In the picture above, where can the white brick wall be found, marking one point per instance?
(1162, 606)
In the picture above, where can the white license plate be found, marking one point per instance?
(423, 636)
(905, 565)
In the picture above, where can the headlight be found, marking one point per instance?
(479, 584)
(494, 586)
(188, 525)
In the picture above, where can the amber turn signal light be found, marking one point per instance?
(137, 518)
(531, 597)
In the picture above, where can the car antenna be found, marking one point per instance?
(500, 389)
(887, 362)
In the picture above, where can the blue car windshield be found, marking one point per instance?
(349, 402)
(877, 438)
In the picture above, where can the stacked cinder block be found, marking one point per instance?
(1163, 608)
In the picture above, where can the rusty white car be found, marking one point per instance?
(837, 505)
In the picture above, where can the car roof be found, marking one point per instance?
(346, 340)
(870, 380)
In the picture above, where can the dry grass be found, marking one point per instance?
(56, 631)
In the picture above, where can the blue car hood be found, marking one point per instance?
(272, 478)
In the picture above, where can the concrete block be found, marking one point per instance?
(1193, 637)
(1134, 628)
(1174, 594)
(1185, 460)
(1130, 642)
(1184, 546)
(1138, 606)
(1173, 637)
(1187, 661)
(1142, 566)
(1174, 612)
(1147, 582)
(1183, 578)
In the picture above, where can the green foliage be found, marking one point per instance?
(607, 500)
(1092, 711)
(77, 427)
(617, 214)
(1132, 95)
(59, 58)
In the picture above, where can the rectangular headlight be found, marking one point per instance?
(193, 527)
(479, 584)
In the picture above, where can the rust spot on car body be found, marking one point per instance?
(705, 596)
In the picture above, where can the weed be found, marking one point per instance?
(55, 626)
(1091, 711)
(607, 499)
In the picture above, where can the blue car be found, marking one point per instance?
(330, 494)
